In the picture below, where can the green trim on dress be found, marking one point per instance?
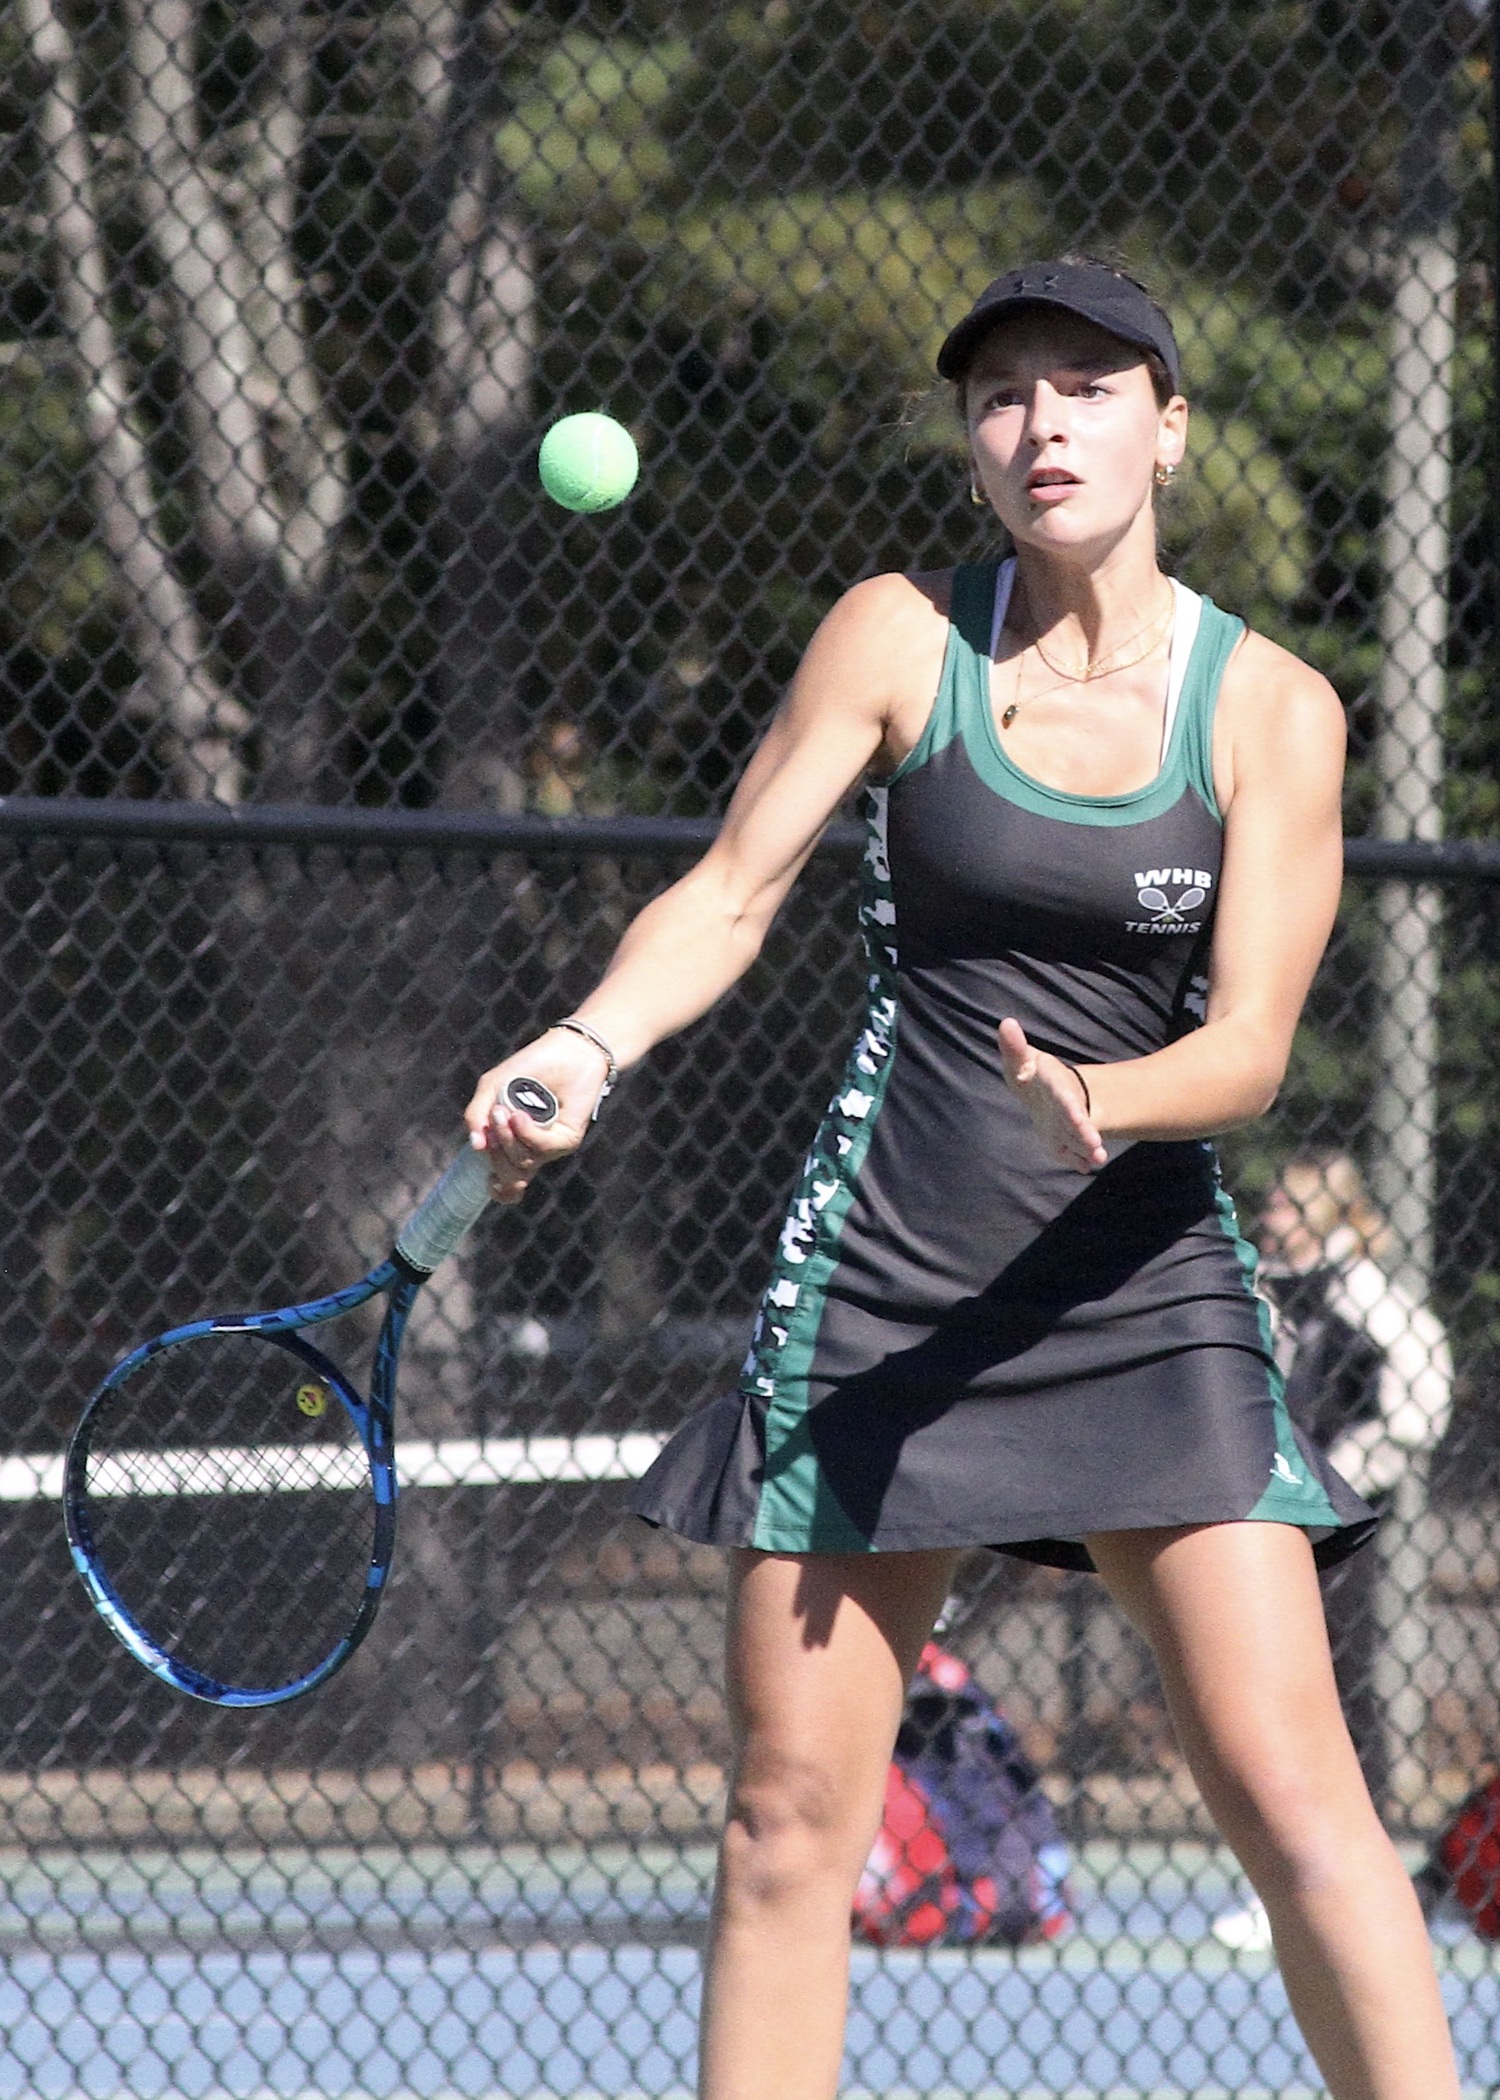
(797, 1511)
(964, 706)
(1291, 1495)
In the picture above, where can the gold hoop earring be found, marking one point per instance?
(977, 496)
(1163, 476)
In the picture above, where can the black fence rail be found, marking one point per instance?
(491, 832)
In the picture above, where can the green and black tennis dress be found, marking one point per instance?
(961, 1343)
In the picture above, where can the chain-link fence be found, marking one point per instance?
(290, 292)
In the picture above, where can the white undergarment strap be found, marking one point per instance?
(1184, 633)
(1005, 583)
(1185, 619)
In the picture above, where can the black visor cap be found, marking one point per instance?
(1086, 289)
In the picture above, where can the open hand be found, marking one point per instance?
(1053, 1096)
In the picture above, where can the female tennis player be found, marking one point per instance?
(1011, 1305)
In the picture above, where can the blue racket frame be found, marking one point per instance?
(374, 1423)
(429, 1235)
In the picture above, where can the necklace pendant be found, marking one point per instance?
(1010, 714)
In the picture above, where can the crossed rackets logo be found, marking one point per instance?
(1163, 911)
(1170, 914)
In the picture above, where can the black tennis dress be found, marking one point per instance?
(962, 1344)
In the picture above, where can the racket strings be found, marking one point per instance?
(231, 1508)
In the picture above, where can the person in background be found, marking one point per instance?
(1369, 1377)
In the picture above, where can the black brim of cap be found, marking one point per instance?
(958, 349)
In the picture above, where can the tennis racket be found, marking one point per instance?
(230, 1498)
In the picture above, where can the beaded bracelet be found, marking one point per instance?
(592, 1035)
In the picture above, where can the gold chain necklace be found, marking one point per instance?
(1102, 669)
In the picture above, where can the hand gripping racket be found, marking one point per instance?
(230, 1500)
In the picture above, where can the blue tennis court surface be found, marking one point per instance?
(571, 1972)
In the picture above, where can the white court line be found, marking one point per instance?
(248, 1470)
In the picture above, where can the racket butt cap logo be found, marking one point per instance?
(531, 1098)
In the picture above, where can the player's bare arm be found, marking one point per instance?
(855, 702)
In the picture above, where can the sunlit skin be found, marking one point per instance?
(1066, 435)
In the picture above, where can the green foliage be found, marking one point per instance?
(51, 580)
(583, 132)
(61, 603)
(753, 225)
(851, 282)
(1239, 525)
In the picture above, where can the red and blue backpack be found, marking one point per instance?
(968, 1852)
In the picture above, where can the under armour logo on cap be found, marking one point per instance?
(1093, 291)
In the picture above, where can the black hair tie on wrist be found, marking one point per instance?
(1088, 1106)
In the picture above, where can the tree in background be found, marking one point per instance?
(347, 262)
(272, 299)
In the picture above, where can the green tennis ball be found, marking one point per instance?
(588, 462)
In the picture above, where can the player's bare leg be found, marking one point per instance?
(1235, 1618)
(820, 1650)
